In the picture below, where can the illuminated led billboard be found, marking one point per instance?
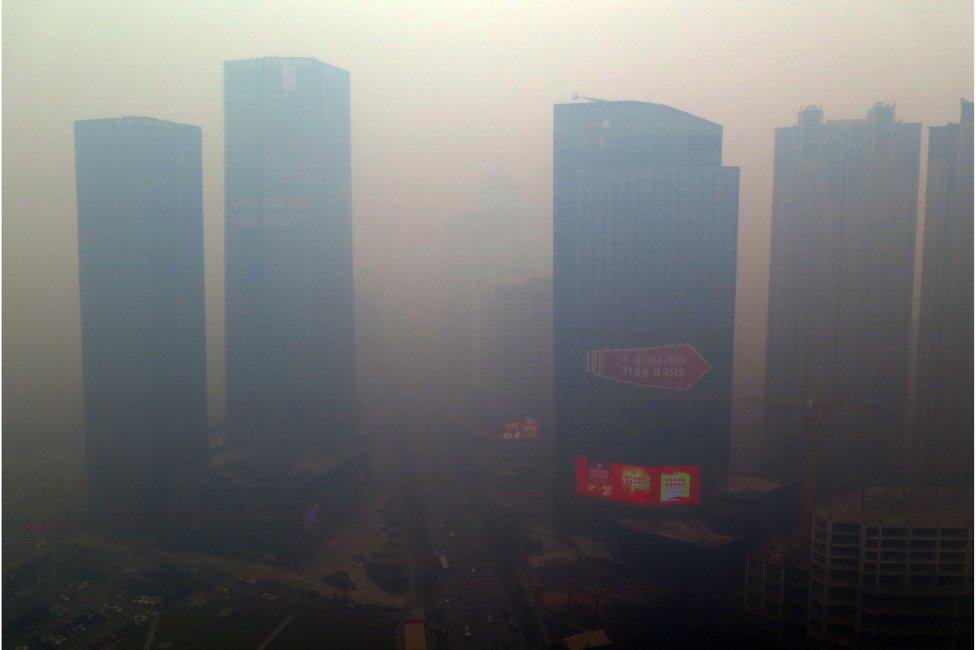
(638, 485)
(526, 429)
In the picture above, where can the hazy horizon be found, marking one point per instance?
(445, 101)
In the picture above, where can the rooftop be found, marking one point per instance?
(591, 639)
(252, 465)
(935, 505)
(278, 60)
(748, 488)
(631, 115)
(133, 120)
(688, 531)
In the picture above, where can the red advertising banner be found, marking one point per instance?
(673, 485)
(526, 429)
(673, 367)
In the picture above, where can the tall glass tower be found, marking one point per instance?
(140, 264)
(288, 238)
(645, 231)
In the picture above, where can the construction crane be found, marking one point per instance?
(576, 97)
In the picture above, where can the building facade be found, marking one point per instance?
(140, 267)
(840, 294)
(645, 229)
(288, 238)
(942, 427)
(883, 567)
(514, 363)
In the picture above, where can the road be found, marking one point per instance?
(471, 601)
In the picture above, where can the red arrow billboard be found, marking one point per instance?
(672, 367)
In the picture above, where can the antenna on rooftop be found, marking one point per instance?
(576, 97)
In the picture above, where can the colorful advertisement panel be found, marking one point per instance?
(672, 485)
(526, 429)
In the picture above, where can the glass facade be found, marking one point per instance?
(288, 229)
(140, 263)
(645, 239)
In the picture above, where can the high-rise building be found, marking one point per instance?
(840, 294)
(883, 567)
(491, 239)
(288, 237)
(514, 363)
(140, 268)
(645, 221)
(942, 431)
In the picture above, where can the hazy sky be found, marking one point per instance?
(443, 96)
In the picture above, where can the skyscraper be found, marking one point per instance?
(840, 293)
(140, 264)
(942, 435)
(288, 230)
(645, 228)
(514, 364)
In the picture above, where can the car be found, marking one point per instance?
(251, 581)
(268, 596)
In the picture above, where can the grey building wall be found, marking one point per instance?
(514, 364)
(140, 263)
(288, 237)
(645, 234)
(942, 436)
(840, 294)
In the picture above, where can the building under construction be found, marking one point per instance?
(882, 567)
